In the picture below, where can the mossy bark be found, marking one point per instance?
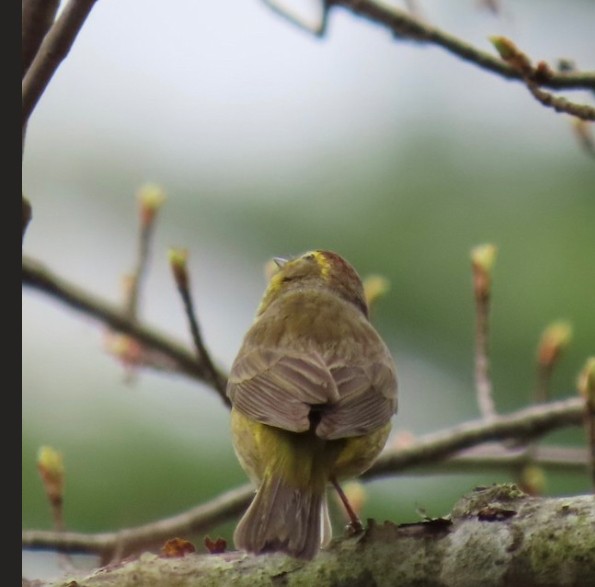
(495, 536)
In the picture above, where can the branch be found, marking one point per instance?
(25, 216)
(52, 51)
(536, 75)
(501, 535)
(561, 104)
(522, 425)
(177, 260)
(150, 200)
(430, 450)
(124, 347)
(482, 260)
(125, 541)
(496, 457)
(36, 276)
(406, 26)
(36, 19)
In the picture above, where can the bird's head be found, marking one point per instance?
(315, 269)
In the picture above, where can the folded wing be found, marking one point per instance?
(368, 400)
(279, 389)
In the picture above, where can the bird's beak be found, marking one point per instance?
(279, 261)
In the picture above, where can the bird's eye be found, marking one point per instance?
(310, 257)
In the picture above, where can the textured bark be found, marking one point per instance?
(496, 536)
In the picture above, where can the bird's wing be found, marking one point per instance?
(368, 400)
(277, 388)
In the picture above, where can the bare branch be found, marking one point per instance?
(36, 276)
(406, 26)
(52, 51)
(482, 260)
(122, 542)
(536, 75)
(561, 104)
(431, 451)
(36, 19)
(150, 199)
(180, 272)
(523, 425)
(25, 216)
(496, 457)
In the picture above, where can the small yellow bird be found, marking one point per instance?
(313, 390)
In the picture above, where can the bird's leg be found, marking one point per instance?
(355, 526)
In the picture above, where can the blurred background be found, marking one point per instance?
(268, 142)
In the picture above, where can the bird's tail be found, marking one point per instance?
(286, 518)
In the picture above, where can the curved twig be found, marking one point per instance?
(431, 450)
(36, 276)
(404, 25)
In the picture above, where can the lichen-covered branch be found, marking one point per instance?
(493, 537)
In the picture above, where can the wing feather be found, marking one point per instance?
(277, 388)
(368, 401)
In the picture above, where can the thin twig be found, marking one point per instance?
(317, 30)
(50, 465)
(483, 382)
(26, 216)
(52, 51)
(180, 271)
(552, 345)
(586, 387)
(553, 341)
(150, 199)
(405, 26)
(497, 457)
(193, 521)
(482, 260)
(36, 276)
(561, 104)
(431, 452)
(128, 350)
(51, 469)
(523, 425)
(36, 19)
(536, 75)
(140, 270)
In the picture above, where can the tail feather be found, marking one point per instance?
(285, 518)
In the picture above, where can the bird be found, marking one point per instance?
(313, 390)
